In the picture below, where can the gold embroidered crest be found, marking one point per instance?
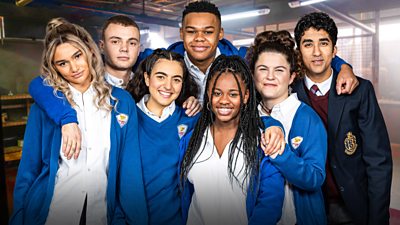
(350, 144)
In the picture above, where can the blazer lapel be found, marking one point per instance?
(298, 87)
(336, 105)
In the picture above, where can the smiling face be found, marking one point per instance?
(225, 100)
(201, 33)
(120, 46)
(71, 63)
(272, 77)
(165, 84)
(317, 52)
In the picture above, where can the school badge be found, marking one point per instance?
(350, 144)
(296, 141)
(122, 119)
(182, 128)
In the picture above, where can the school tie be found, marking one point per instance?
(314, 89)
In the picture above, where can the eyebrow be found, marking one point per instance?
(161, 73)
(164, 74)
(177, 75)
(63, 60)
(116, 37)
(261, 66)
(307, 40)
(321, 39)
(325, 39)
(207, 27)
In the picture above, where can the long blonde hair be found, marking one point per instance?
(59, 31)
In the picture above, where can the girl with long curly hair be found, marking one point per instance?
(50, 189)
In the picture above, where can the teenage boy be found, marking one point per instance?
(203, 40)
(359, 165)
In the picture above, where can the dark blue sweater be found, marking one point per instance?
(159, 146)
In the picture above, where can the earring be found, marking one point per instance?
(208, 106)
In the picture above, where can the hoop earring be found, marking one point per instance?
(245, 107)
(208, 106)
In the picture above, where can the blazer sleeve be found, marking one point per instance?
(56, 107)
(337, 63)
(131, 197)
(377, 156)
(30, 165)
(304, 167)
(269, 201)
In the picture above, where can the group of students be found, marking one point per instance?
(216, 136)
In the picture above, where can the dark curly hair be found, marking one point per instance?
(279, 42)
(273, 41)
(137, 86)
(249, 121)
(202, 7)
(318, 21)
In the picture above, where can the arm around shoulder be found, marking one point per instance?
(57, 108)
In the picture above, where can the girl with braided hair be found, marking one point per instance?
(274, 64)
(50, 188)
(225, 177)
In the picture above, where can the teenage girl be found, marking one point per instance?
(226, 178)
(160, 86)
(50, 189)
(274, 64)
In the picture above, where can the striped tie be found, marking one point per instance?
(314, 89)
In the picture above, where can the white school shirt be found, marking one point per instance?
(199, 76)
(284, 112)
(167, 111)
(115, 81)
(323, 87)
(216, 200)
(86, 175)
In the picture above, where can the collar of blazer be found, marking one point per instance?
(336, 104)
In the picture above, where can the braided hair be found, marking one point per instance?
(249, 122)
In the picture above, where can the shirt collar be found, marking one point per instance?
(115, 81)
(167, 111)
(193, 68)
(288, 105)
(77, 95)
(75, 92)
(283, 108)
(323, 87)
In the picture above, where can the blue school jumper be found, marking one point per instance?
(264, 201)
(303, 165)
(159, 148)
(39, 164)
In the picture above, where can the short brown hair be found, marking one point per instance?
(118, 19)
